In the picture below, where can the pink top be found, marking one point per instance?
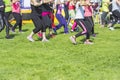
(88, 11)
(16, 7)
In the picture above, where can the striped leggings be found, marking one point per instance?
(85, 28)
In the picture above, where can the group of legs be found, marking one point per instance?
(41, 22)
(5, 22)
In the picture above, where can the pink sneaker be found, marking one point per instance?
(73, 40)
(30, 39)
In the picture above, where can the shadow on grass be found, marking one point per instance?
(12, 36)
(25, 30)
(117, 27)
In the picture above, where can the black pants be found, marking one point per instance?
(18, 19)
(1, 21)
(37, 21)
(90, 20)
(4, 22)
(116, 15)
(7, 15)
(46, 23)
(103, 17)
(85, 27)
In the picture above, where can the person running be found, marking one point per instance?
(115, 13)
(36, 18)
(8, 11)
(4, 19)
(105, 11)
(17, 15)
(88, 15)
(71, 10)
(62, 21)
(47, 22)
(79, 18)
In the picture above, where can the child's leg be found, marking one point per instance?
(87, 41)
(74, 26)
(65, 26)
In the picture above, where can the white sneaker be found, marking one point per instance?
(73, 40)
(45, 40)
(72, 30)
(30, 39)
(88, 42)
(111, 28)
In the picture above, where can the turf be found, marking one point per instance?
(59, 59)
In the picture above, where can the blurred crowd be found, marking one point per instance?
(73, 15)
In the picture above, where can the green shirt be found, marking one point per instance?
(8, 6)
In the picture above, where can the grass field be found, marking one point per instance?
(59, 59)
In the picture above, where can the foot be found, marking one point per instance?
(52, 35)
(8, 37)
(73, 40)
(102, 26)
(45, 40)
(13, 31)
(88, 42)
(72, 30)
(21, 31)
(94, 35)
(66, 33)
(111, 28)
(30, 39)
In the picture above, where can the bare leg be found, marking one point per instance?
(30, 37)
(44, 37)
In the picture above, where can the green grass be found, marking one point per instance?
(59, 59)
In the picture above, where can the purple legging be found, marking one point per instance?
(62, 22)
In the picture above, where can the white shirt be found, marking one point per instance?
(79, 11)
(115, 6)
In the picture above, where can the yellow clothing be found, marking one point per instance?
(105, 4)
(7, 5)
